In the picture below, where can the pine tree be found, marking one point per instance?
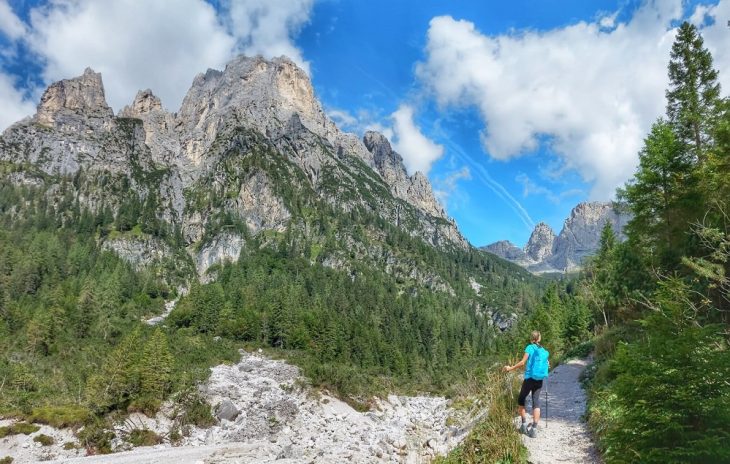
(694, 93)
(662, 196)
(155, 369)
(118, 378)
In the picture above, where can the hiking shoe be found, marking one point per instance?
(523, 428)
(533, 432)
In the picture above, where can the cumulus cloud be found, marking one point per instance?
(343, 118)
(446, 189)
(590, 93)
(417, 150)
(15, 105)
(153, 44)
(265, 27)
(10, 25)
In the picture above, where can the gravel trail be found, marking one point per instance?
(564, 437)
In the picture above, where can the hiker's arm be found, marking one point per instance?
(519, 364)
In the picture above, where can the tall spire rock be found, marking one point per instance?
(144, 103)
(541, 242)
(69, 101)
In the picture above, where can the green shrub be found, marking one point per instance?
(143, 437)
(96, 437)
(69, 445)
(44, 440)
(70, 415)
(667, 400)
(580, 351)
(6, 460)
(194, 410)
(18, 428)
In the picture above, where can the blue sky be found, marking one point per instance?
(516, 110)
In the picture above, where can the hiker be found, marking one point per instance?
(537, 366)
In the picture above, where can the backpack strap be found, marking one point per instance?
(532, 356)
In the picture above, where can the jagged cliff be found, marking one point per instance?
(249, 145)
(545, 252)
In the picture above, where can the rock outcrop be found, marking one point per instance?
(580, 237)
(540, 245)
(64, 101)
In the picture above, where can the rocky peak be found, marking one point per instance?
(541, 242)
(144, 103)
(416, 189)
(72, 99)
(505, 249)
(383, 154)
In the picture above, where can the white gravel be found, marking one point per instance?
(564, 436)
(275, 417)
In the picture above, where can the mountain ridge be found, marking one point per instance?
(546, 252)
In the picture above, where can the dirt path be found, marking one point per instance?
(564, 437)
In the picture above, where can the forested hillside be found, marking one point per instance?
(661, 299)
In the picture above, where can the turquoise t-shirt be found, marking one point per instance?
(529, 349)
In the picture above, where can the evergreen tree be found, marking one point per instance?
(661, 197)
(694, 93)
(118, 378)
(155, 367)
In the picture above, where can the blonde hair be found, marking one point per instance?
(535, 336)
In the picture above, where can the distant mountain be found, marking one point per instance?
(545, 252)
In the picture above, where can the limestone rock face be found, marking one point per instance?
(65, 100)
(415, 189)
(506, 250)
(581, 233)
(144, 103)
(579, 238)
(224, 247)
(540, 245)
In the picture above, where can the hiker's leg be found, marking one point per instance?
(524, 391)
(536, 390)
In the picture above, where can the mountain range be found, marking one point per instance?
(546, 252)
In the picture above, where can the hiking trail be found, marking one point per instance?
(564, 438)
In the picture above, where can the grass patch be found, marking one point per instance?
(69, 445)
(494, 439)
(143, 437)
(18, 428)
(43, 439)
(60, 416)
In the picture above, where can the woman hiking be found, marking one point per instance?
(536, 365)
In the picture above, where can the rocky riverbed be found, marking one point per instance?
(267, 413)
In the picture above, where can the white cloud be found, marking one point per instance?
(418, 152)
(266, 27)
(135, 45)
(15, 105)
(10, 25)
(717, 39)
(342, 118)
(590, 93)
(529, 187)
(158, 44)
(446, 188)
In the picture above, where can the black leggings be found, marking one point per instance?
(530, 386)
